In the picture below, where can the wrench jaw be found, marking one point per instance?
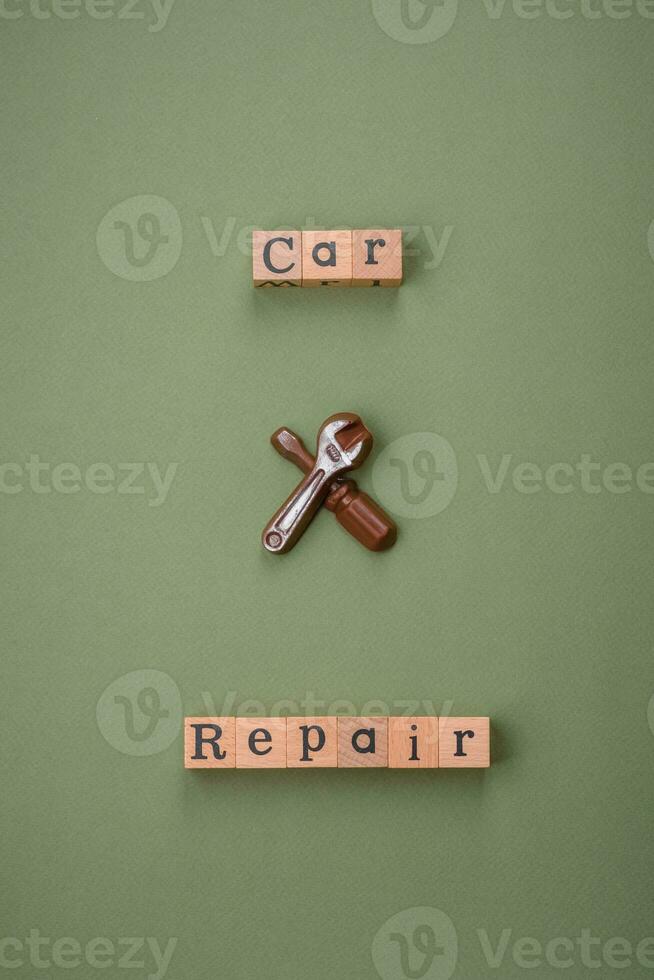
(343, 443)
(360, 451)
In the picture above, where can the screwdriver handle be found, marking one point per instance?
(362, 517)
(354, 510)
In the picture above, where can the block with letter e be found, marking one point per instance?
(261, 743)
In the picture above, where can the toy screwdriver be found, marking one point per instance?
(354, 510)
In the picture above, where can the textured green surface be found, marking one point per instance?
(531, 140)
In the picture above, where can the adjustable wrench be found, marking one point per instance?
(343, 444)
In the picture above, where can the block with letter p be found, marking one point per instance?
(277, 258)
(311, 743)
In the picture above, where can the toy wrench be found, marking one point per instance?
(343, 444)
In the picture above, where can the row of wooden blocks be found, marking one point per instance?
(365, 257)
(337, 741)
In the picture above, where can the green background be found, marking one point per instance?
(530, 138)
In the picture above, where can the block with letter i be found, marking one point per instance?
(464, 743)
(413, 743)
(377, 257)
(276, 258)
(209, 743)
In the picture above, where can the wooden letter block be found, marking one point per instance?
(326, 258)
(362, 742)
(209, 743)
(261, 743)
(311, 742)
(377, 257)
(413, 743)
(277, 258)
(464, 743)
